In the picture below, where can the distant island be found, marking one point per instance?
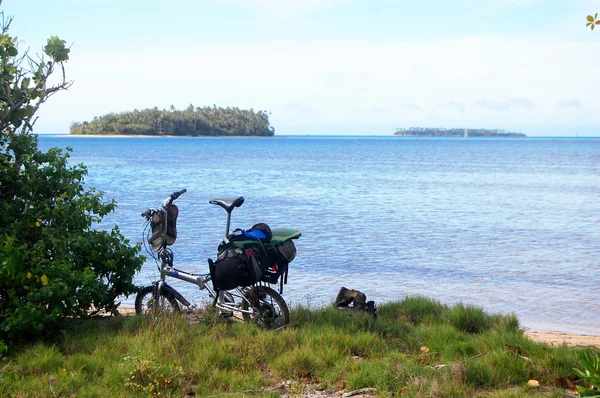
(454, 132)
(207, 121)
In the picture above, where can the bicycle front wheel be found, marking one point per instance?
(265, 307)
(146, 302)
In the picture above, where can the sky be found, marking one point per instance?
(326, 67)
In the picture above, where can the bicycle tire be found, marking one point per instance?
(145, 299)
(269, 309)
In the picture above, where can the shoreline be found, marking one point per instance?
(160, 136)
(553, 338)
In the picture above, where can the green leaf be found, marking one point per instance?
(12, 51)
(25, 83)
(16, 122)
(590, 18)
(56, 49)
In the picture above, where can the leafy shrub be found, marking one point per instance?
(590, 374)
(53, 264)
(152, 377)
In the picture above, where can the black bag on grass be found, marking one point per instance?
(354, 300)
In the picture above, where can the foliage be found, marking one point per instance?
(205, 121)
(590, 374)
(332, 349)
(24, 83)
(53, 264)
(151, 377)
(592, 21)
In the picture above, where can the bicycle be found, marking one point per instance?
(258, 303)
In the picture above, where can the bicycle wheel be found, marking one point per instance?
(147, 303)
(267, 308)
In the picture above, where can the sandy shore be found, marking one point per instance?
(569, 339)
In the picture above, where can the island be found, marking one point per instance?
(206, 121)
(453, 132)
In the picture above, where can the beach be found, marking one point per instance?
(569, 339)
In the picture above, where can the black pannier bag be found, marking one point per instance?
(236, 267)
(279, 258)
(157, 225)
(287, 251)
(272, 256)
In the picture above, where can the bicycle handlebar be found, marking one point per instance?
(177, 194)
(167, 201)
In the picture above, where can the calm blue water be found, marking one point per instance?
(512, 225)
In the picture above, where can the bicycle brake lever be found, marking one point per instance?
(147, 214)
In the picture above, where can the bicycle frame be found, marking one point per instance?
(200, 280)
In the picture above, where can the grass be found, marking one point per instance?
(416, 347)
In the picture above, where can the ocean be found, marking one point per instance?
(508, 224)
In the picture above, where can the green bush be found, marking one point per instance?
(590, 374)
(53, 264)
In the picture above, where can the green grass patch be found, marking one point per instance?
(416, 347)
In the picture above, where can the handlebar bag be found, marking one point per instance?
(157, 225)
(236, 267)
(172, 213)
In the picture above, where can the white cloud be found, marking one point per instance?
(504, 105)
(302, 109)
(453, 106)
(410, 107)
(344, 81)
(491, 104)
(521, 102)
(570, 103)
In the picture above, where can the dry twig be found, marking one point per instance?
(460, 362)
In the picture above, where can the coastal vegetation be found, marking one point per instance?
(416, 347)
(453, 132)
(592, 21)
(53, 264)
(206, 121)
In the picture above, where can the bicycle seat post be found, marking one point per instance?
(228, 204)
(228, 223)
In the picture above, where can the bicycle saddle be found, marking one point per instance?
(227, 203)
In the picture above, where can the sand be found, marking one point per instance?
(569, 339)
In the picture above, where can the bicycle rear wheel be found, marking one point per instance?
(147, 303)
(265, 307)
